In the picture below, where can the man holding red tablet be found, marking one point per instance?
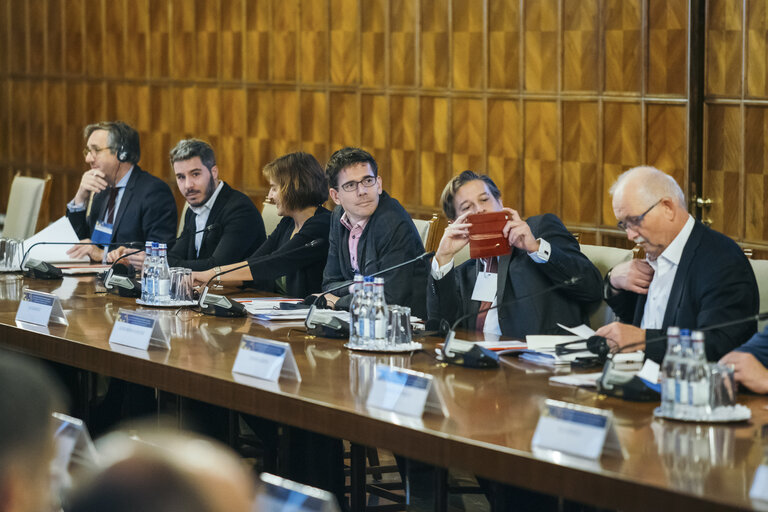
(525, 258)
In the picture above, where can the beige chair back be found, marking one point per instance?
(24, 204)
(427, 231)
(760, 268)
(270, 217)
(181, 219)
(604, 258)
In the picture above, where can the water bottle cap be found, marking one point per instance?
(163, 246)
(368, 279)
(685, 332)
(358, 278)
(378, 280)
(697, 336)
(673, 331)
(155, 245)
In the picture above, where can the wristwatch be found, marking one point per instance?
(608, 288)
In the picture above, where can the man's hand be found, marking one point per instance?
(455, 237)
(92, 181)
(202, 277)
(134, 258)
(94, 252)
(619, 335)
(747, 370)
(633, 276)
(518, 232)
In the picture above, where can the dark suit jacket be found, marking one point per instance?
(303, 269)
(714, 283)
(389, 238)
(519, 279)
(238, 231)
(147, 212)
(757, 346)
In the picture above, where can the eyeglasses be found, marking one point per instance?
(351, 186)
(87, 151)
(634, 221)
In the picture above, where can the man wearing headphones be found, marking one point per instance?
(128, 205)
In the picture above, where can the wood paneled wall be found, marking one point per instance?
(553, 98)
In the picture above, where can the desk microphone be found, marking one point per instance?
(329, 326)
(477, 356)
(219, 305)
(39, 269)
(120, 278)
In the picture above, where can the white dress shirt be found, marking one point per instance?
(492, 325)
(664, 270)
(202, 213)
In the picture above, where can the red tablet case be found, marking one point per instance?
(485, 237)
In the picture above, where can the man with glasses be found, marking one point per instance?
(370, 231)
(692, 277)
(129, 204)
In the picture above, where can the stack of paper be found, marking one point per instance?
(58, 232)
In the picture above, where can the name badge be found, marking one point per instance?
(485, 287)
(102, 233)
(759, 490)
(404, 392)
(265, 359)
(138, 330)
(40, 308)
(576, 430)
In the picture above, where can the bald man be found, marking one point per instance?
(692, 277)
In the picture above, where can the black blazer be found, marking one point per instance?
(389, 238)
(147, 212)
(519, 279)
(303, 269)
(714, 283)
(238, 231)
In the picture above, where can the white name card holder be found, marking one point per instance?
(405, 392)
(40, 308)
(759, 489)
(138, 329)
(265, 359)
(577, 430)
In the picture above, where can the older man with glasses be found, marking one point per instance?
(692, 277)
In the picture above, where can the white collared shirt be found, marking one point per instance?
(491, 325)
(202, 213)
(74, 207)
(664, 270)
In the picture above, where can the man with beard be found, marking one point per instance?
(221, 226)
(692, 277)
(129, 204)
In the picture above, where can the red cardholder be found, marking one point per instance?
(485, 237)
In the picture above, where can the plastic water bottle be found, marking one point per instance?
(698, 377)
(668, 370)
(145, 271)
(365, 327)
(354, 311)
(163, 276)
(379, 313)
(681, 374)
(152, 274)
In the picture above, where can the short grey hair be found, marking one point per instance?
(190, 148)
(653, 185)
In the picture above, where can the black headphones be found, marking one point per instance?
(122, 153)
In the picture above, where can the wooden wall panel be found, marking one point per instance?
(722, 166)
(404, 146)
(541, 176)
(467, 44)
(503, 44)
(373, 43)
(553, 98)
(314, 60)
(724, 40)
(757, 49)
(623, 45)
(622, 147)
(580, 162)
(667, 48)
(403, 37)
(505, 150)
(541, 44)
(755, 173)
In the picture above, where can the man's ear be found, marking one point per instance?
(334, 195)
(215, 172)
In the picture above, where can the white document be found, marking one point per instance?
(582, 331)
(548, 342)
(759, 489)
(59, 231)
(581, 380)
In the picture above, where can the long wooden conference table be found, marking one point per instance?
(492, 413)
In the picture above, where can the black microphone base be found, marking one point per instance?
(236, 310)
(476, 357)
(46, 271)
(133, 293)
(329, 331)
